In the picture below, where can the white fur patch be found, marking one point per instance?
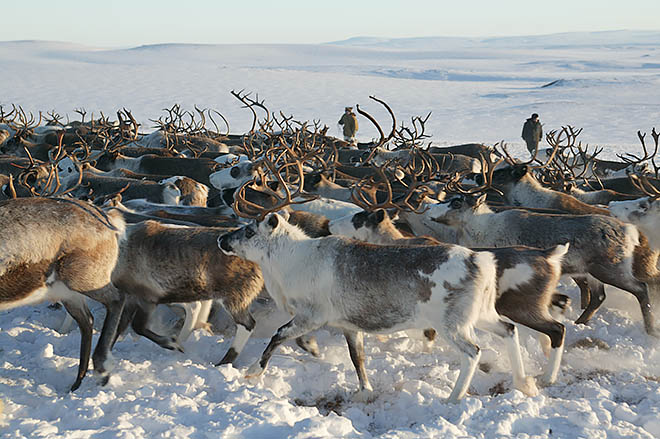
(57, 291)
(171, 194)
(516, 276)
(331, 209)
(343, 226)
(632, 239)
(173, 180)
(623, 209)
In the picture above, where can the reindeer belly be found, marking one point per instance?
(30, 284)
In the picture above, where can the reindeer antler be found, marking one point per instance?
(248, 209)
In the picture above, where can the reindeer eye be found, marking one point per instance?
(456, 203)
(235, 172)
(249, 232)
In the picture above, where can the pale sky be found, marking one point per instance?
(120, 23)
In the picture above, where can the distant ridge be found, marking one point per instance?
(566, 39)
(614, 38)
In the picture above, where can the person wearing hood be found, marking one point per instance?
(350, 124)
(532, 133)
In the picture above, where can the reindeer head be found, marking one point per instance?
(362, 225)
(233, 176)
(506, 177)
(451, 211)
(251, 242)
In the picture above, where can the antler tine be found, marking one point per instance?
(628, 157)
(555, 145)
(380, 132)
(505, 153)
(413, 187)
(79, 167)
(82, 112)
(259, 212)
(238, 96)
(4, 117)
(389, 110)
(359, 193)
(644, 185)
(223, 119)
(375, 123)
(10, 186)
(487, 169)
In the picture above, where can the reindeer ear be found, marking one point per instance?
(481, 200)
(273, 221)
(377, 217)
(519, 171)
(312, 181)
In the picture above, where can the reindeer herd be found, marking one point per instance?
(392, 235)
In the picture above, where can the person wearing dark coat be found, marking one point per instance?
(350, 123)
(532, 133)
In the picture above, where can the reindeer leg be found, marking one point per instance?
(127, 316)
(596, 300)
(509, 333)
(244, 326)
(192, 311)
(140, 326)
(555, 331)
(471, 353)
(114, 302)
(299, 325)
(77, 308)
(355, 341)
(585, 291)
(203, 316)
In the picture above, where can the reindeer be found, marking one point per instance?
(602, 247)
(97, 186)
(238, 170)
(643, 213)
(602, 197)
(197, 169)
(73, 259)
(165, 264)
(526, 278)
(358, 287)
(361, 287)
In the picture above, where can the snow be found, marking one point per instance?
(480, 90)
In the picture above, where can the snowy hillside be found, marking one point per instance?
(479, 90)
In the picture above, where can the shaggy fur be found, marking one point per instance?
(358, 287)
(164, 264)
(60, 250)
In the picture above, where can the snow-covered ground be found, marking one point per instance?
(478, 90)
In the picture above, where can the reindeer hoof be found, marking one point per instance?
(255, 371)
(582, 320)
(309, 344)
(76, 385)
(544, 381)
(365, 396)
(206, 327)
(173, 345)
(527, 386)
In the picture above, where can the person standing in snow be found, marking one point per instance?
(350, 123)
(532, 133)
